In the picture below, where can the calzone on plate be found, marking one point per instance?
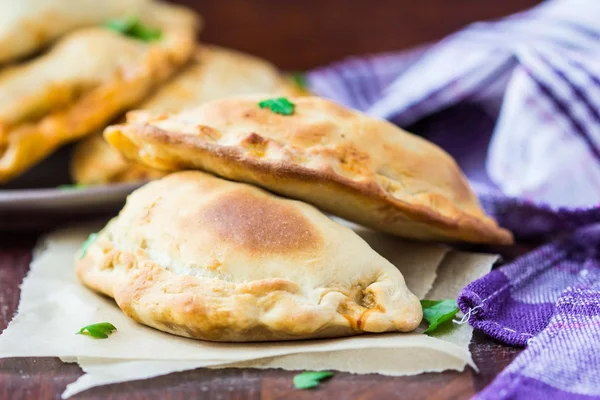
(214, 72)
(363, 169)
(28, 25)
(88, 78)
(202, 257)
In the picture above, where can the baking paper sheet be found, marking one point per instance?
(54, 305)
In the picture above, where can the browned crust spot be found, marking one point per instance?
(259, 225)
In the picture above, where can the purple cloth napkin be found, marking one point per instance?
(517, 103)
(561, 362)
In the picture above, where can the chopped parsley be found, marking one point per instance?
(84, 247)
(280, 105)
(99, 331)
(72, 187)
(310, 379)
(133, 27)
(436, 312)
(299, 79)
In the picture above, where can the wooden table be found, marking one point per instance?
(46, 378)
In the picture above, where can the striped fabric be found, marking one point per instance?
(517, 103)
(533, 72)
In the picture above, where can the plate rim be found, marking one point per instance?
(11, 195)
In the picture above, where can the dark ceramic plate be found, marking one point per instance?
(35, 201)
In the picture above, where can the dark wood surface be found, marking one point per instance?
(297, 35)
(46, 378)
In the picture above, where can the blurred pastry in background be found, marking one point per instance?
(218, 72)
(214, 73)
(86, 79)
(360, 168)
(95, 162)
(29, 25)
(198, 256)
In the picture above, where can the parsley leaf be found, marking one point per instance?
(310, 379)
(437, 312)
(99, 331)
(72, 187)
(133, 27)
(299, 79)
(84, 247)
(279, 105)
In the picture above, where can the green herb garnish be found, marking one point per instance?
(299, 79)
(72, 187)
(133, 27)
(437, 312)
(279, 105)
(99, 331)
(84, 247)
(310, 379)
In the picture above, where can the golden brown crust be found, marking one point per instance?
(29, 25)
(198, 256)
(346, 163)
(214, 73)
(268, 226)
(95, 162)
(83, 82)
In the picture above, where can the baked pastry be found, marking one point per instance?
(202, 257)
(95, 162)
(88, 78)
(215, 72)
(363, 169)
(29, 25)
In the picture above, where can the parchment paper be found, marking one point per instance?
(54, 305)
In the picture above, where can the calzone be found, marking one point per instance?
(213, 73)
(88, 78)
(28, 25)
(198, 256)
(360, 168)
